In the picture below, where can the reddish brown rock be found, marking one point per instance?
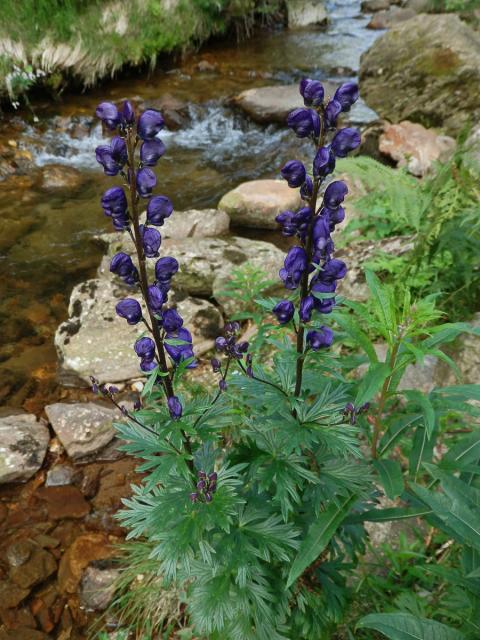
(37, 568)
(11, 594)
(85, 549)
(414, 147)
(64, 502)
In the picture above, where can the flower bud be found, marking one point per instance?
(320, 339)
(175, 407)
(312, 92)
(146, 181)
(151, 240)
(151, 151)
(108, 114)
(306, 308)
(171, 320)
(284, 311)
(324, 162)
(127, 113)
(158, 208)
(305, 122)
(129, 309)
(222, 385)
(294, 173)
(166, 268)
(345, 140)
(347, 95)
(149, 124)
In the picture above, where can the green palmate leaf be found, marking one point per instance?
(371, 382)
(391, 477)
(318, 536)
(405, 626)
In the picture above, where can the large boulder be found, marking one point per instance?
(257, 202)
(207, 261)
(471, 157)
(82, 428)
(302, 13)
(23, 445)
(412, 146)
(94, 341)
(388, 18)
(426, 70)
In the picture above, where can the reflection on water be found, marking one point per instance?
(46, 247)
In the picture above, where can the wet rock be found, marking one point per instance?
(82, 428)
(257, 202)
(23, 444)
(81, 344)
(353, 286)
(412, 146)
(18, 553)
(98, 588)
(60, 176)
(174, 111)
(86, 549)
(11, 594)
(388, 18)
(205, 66)
(302, 13)
(23, 633)
(370, 6)
(420, 6)
(425, 70)
(39, 565)
(59, 476)
(64, 502)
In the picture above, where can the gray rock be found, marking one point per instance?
(94, 341)
(23, 445)
(59, 476)
(420, 6)
(471, 157)
(390, 17)
(302, 13)
(426, 70)
(59, 176)
(82, 428)
(257, 202)
(370, 6)
(98, 588)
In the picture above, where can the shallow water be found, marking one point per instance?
(49, 248)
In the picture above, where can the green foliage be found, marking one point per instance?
(442, 215)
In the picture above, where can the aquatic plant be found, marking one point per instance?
(254, 497)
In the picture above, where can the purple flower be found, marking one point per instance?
(304, 122)
(222, 385)
(345, 140)
(175, 409)
(149, 124)
(294, 267)
(306, 308)
(123, 267)
(221, 343)
(324, 305)
(333, 270)
(180, 352)
(312, 92)
(128, 114)
(147, 365)
(171, 320)
(151, 151)
(335, 194)
(321, 232)
(324, 162)
(216, 365)
(323, 287)
(151, 240)
(113, 156)
(284, 311)
(332, 111)
(145, 348)
(129, 309)
(287, 220)
(335, 216)
(165, 269)
(307, 189)
(114, 203)
(156, 298)
(347, 95)
(294, 173)
(108, 114)
(159, 208)
(146, 181)
(320, 339)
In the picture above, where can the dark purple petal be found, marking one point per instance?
(149, 124)
(320, 339)
(146, 181)
(151, 240)
(129, 309)
(332, 111)
(335, 194)
(175, 408)
(294, 173)
(294, 267)
(306, 308)
(159, 208)
(151, 151)
(145, 348)
(123, 267)
(166, 268)
(108, 114)
(284, 311)
(171, 320)
(156, 298)
(345, 140)
(324, 162)
(128, 114)
(312, 92)
(347, 95)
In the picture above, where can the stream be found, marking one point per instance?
(47, 234)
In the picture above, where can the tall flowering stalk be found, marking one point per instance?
(310, 269)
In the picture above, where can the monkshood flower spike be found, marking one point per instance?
(132, 153)
(310, 271)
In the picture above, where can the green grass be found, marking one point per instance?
(100, 38)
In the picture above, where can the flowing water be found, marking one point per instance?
(46, 242)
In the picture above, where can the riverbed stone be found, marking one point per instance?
(98, 588)
(23, 445)
(60, 176)
(94, 341)
(371, 6)
(86, 549)
(302, 13)
(426, 70)
(83, 428)
(37, 567)
(389, 17)
(257, 202)
(413, 146)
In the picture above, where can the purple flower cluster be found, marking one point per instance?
(206, 487)
(229, 345)
(311, 266)
(118, 158)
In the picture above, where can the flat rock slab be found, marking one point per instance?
(257, 202)
(426, 69)
(83, 428)
(23, 444)
(412, 146)
(94, 341)
(302, 13)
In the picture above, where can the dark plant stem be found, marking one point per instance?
(166, 379)
(254, 377)
(304, 282)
